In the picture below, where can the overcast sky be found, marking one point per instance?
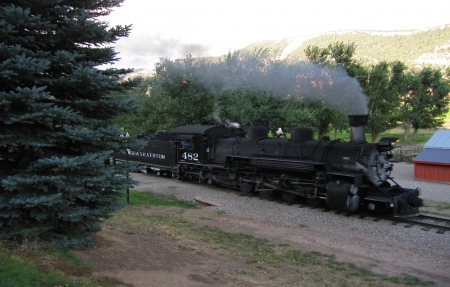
(175, 28)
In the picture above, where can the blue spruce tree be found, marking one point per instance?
(55, 109)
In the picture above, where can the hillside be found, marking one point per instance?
(413, 47)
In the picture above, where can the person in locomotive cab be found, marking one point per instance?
(206, 143)
(186, 144)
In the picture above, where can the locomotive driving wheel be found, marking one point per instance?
(246, 187)
(289, 197)
(266, 192)
(314, 201)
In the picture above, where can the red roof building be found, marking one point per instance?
(434, 162)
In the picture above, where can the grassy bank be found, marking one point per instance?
(436, 207)
(34, 268)
(306, 268)
(285, 264)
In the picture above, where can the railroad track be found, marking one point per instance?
(427, 221)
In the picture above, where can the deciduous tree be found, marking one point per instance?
(334, 54)
(181, 93)
(426, 101)
(384, 84)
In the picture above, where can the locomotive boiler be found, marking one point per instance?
(342, 175)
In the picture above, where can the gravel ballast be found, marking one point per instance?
(377, 240)
(403, 174)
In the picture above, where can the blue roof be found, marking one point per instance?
(433, 156)
(440, 140)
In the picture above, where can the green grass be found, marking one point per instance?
(63, 268)
(17, 271)
(422, 136)
(436, 207)
(261, 253)
(447, 120)
(149, 198)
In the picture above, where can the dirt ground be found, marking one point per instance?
(155, 260)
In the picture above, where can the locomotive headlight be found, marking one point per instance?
(393, 144)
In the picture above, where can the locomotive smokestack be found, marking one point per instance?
(358, 127)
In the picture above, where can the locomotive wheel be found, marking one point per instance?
(246, 187)
(266, 193)
(287, 196)
(314, 201)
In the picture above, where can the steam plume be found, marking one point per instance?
(302, 80)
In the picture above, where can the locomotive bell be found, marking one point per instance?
(358, 127)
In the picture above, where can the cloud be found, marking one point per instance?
(142, 51)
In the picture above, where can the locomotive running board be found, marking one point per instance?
(358, 178)
(279, 164)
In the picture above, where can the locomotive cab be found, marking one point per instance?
(190, 150)
(196, 143)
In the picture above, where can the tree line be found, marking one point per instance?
(319, 93)
(395, 47)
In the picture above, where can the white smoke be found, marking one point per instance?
(280, 79)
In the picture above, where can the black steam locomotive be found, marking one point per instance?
(348, 176)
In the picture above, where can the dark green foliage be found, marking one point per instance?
(248, 106)
(175, 96)
(384, 84)
(335, 54)
(182, 84)
(318, 116)
(244, 90)
(250, 86)
(55, 106)
(425, 103)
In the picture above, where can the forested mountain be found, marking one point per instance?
(411, 47)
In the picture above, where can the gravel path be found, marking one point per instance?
(403, 174)
(425, 253)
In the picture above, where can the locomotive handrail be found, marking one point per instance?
(325, 152)
(391, 178)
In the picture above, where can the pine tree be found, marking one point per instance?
(55, 109)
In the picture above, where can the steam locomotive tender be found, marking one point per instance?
(347, 176)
